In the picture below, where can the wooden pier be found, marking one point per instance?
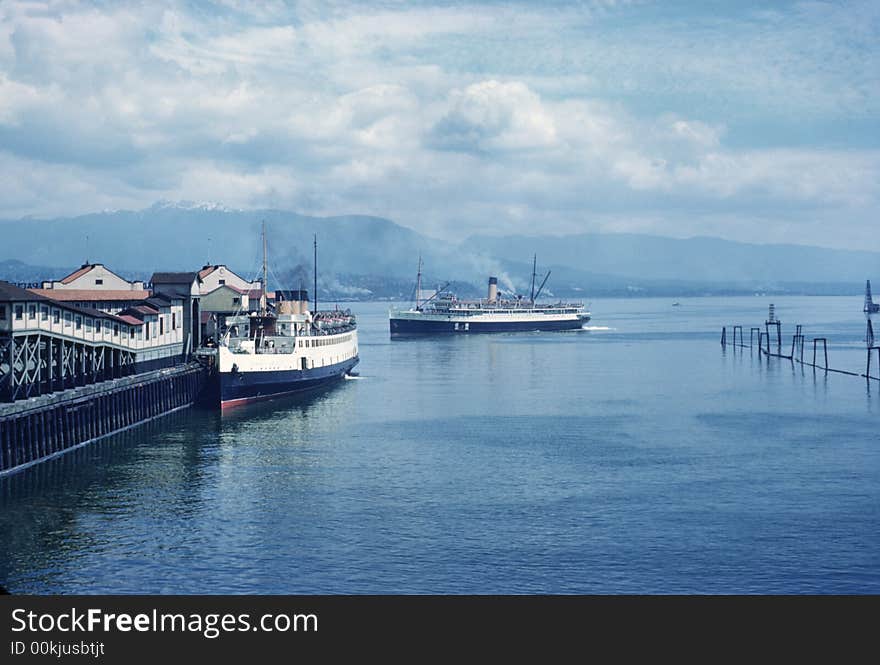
(39, 428)
(798, 342)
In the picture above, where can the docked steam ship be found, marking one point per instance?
(284, 348)
(444, 313)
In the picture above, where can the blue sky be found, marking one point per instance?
(749, 121)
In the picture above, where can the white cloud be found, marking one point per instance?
(511, 118)
(491, 115)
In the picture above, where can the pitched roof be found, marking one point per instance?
(230, 287)
(160, 300)
(207, 270)
(88, 311)
(76, 274)
(129, 319)
(173, 277)
(10, 292)
(255, 293)
(86, 295)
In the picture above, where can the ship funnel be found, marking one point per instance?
(303, 302)
(493, 289)
(285, 302)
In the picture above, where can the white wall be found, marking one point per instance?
(227, 277)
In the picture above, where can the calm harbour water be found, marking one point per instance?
(636, 457)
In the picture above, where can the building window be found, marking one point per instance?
(79, 323)
(89, 325)
(19, 312)
(98, 282)
(147, 330)
(107, 326)
(173, 320)
(68, 319)
(56, 316)
(131, 333)
(116, 330)
(2, 312)
(235, 301)
(44, 313)
(222, 282)
(32, 311)
(161, 325)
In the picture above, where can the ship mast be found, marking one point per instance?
(264, 300)
(541, 288)
(419, 282)
(534, 274)
(316, 273)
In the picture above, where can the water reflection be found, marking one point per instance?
(171, 471)
(538, 463)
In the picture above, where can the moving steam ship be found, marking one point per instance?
(286, 349)
(444, 313)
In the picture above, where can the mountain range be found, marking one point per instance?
(362, 257)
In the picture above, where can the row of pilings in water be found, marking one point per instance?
(773, 329)
(48, 426)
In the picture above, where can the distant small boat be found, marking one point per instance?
(675, 304)
(870, 306)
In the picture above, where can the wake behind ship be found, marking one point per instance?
(444, 313)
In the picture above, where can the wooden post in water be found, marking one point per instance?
(824, 347)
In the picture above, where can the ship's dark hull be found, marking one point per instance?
(406, 327)
(242, 387)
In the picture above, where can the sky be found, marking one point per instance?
(757, 122)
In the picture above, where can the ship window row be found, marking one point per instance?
(312, 343)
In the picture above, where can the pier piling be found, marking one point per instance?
(49, 425)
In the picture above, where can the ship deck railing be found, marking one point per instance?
(234, 343)
(336, 330)
(477, 310)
